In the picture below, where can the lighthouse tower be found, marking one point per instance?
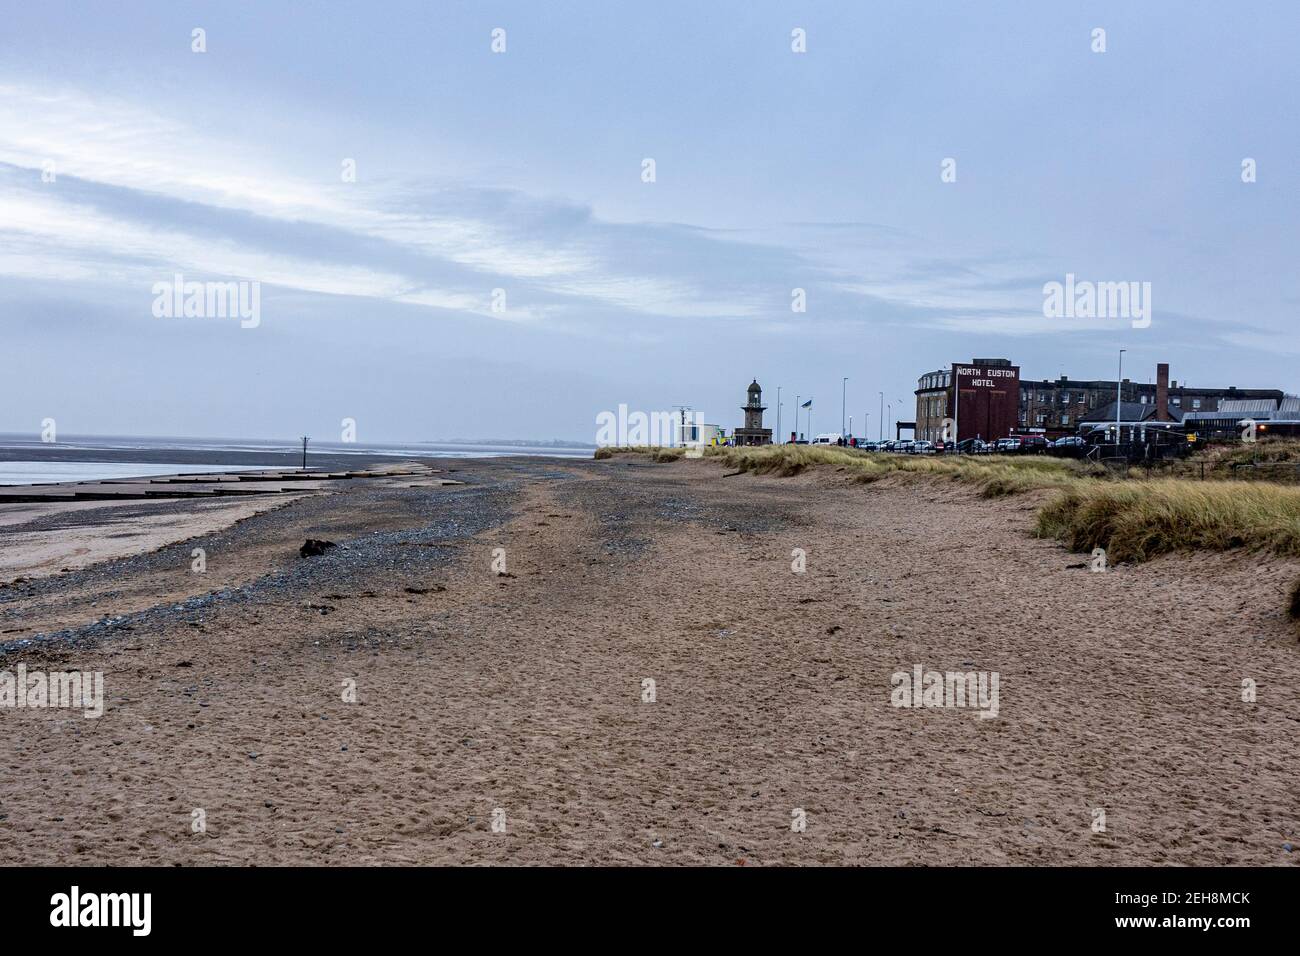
(754, 433)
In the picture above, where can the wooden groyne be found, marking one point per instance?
(213, 485)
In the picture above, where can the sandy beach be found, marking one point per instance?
(504, 717)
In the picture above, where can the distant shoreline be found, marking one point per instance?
(217, 453)
(26, 439)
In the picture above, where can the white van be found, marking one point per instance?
(827, 438)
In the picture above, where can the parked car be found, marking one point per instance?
(1071, 446)
(1033, 445)
(903, 447)
(1006, 446)
(972, 446)
(921, 448)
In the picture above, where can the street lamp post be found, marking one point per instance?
(778, 414)
(882, 416)
(1119, 398)
(844, 385)
(956, 399)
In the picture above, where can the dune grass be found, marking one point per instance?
(1134, 519)
(1266, 450)
(654, 452)
(1137, 520)
(992, 475)
(1276, 460)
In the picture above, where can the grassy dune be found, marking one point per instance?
(1277, 458)
(993, 475)
(1133, 519)
(656, 452)
(1136, 520)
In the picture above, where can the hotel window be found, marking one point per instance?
(1196, 404)
(1065, 419)
(1175, 401)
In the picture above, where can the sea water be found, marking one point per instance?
(27, 468)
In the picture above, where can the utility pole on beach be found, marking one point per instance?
(305, 439)
(779, 439)
(683, 426)
(882, 416)
(797, 396)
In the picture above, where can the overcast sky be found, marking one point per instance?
(523, 171)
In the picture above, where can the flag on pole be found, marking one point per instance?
(807, 404)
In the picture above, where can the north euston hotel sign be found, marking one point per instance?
(976, 377)
(987, 401)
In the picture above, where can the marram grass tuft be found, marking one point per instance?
(993, 475)
(1137, 520)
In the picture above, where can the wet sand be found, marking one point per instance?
(76, 534)
(523, 693)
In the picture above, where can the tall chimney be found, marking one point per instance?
(1162, 392)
